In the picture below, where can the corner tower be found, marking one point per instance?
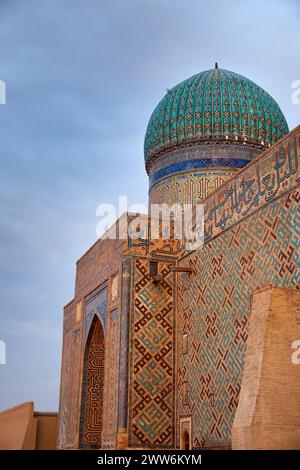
(204, 130)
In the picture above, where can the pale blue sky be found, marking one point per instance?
(82, 80)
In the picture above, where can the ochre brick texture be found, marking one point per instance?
(268, 414)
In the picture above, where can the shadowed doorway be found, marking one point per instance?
(186, 440)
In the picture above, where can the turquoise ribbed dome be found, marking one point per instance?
(214, 105)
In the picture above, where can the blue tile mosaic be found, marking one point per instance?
(196, 164)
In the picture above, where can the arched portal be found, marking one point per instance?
(92, 388)
(185, 427)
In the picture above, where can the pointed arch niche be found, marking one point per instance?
(91, 420)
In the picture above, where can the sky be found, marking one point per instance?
(82, 79)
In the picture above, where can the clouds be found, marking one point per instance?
(82, 80)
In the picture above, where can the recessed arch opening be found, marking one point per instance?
(91, 420)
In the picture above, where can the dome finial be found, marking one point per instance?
(216, 65)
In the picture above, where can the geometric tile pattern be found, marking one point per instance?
(214, 103)
(112, 362)
(96, 306)
(65, 438)
(252, 238)
(214, 309)
(148, 244)
(189, 187)
(74, 387)
(197, 164)
(272, 175)
(91, 421)
(151, 351)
